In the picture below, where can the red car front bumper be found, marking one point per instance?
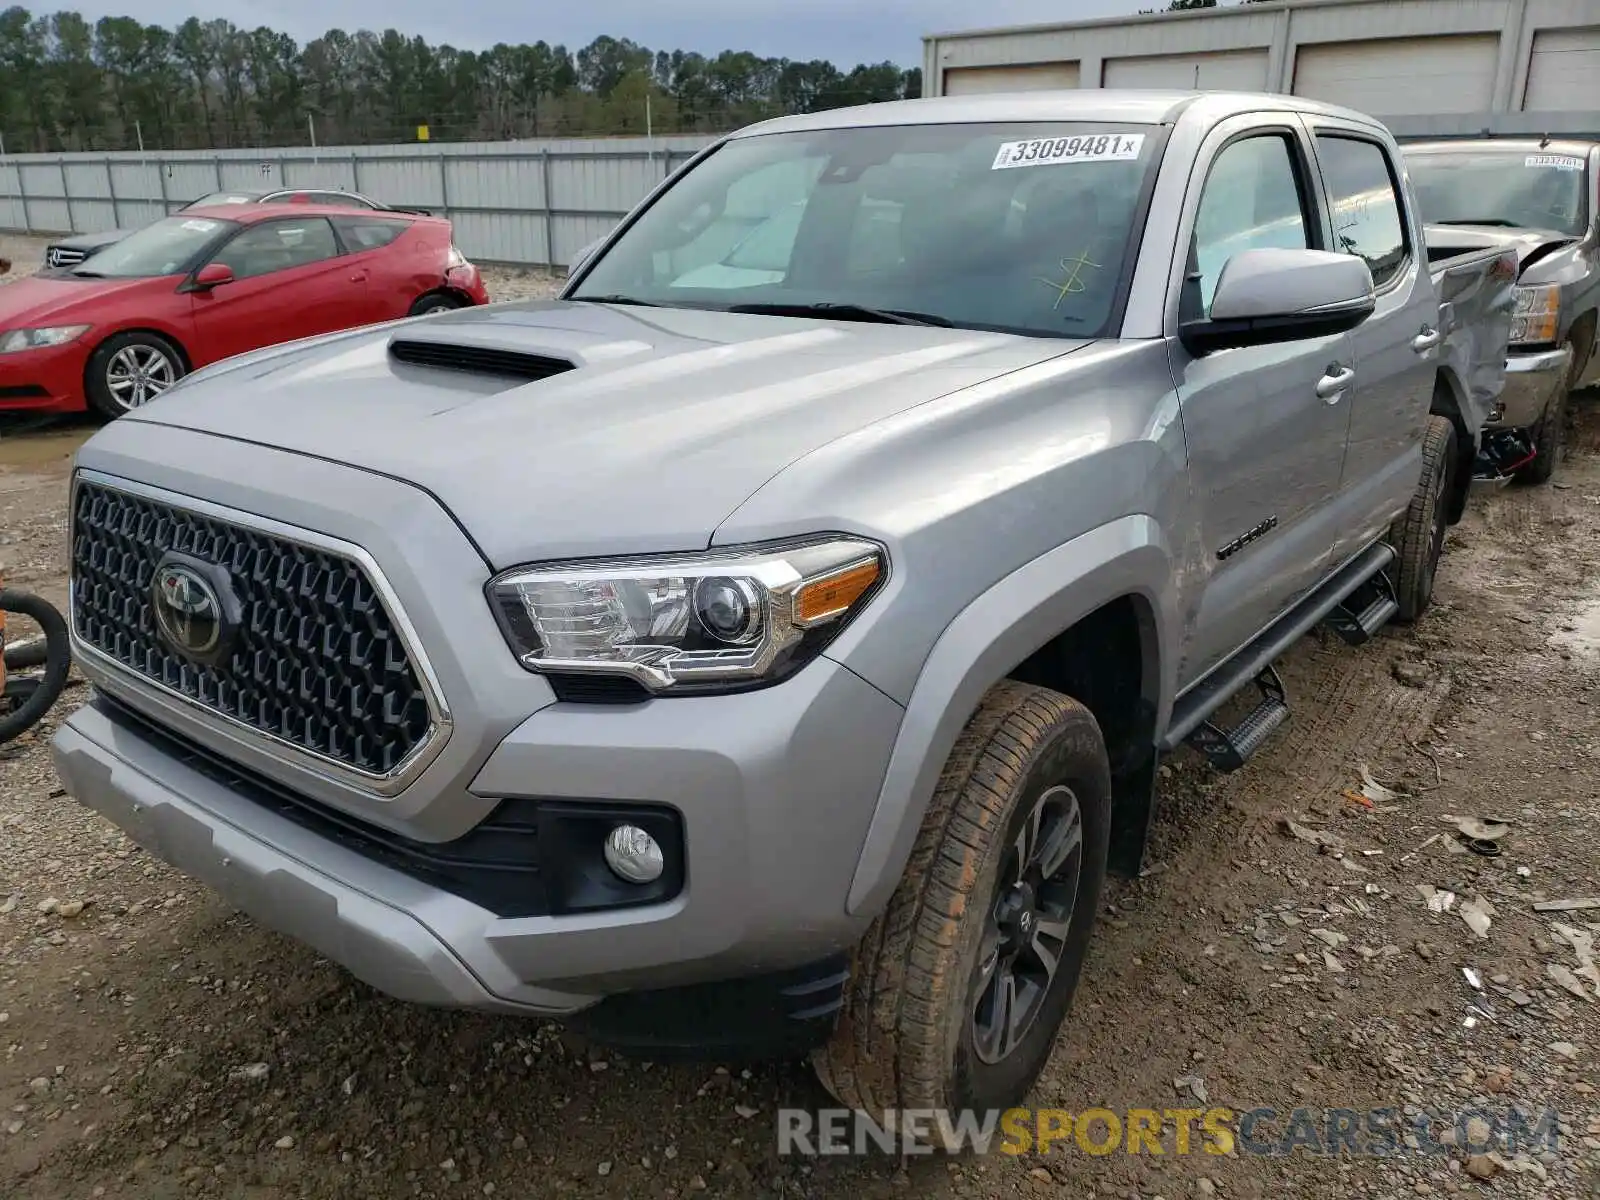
(47, 380)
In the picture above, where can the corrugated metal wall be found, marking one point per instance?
(513, 202)
(1446, 66)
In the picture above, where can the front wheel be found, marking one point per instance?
(1549, 436)
(961, 985)
(130, 370)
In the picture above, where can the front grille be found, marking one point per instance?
(316, 662)
(61, 256)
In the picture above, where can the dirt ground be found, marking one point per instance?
(156, 1044)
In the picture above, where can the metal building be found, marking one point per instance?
(1424, 66)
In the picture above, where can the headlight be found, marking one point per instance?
(34, 339)
(455, 259)
(1537, 315)
(714, 621)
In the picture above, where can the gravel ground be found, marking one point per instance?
(154, 1043)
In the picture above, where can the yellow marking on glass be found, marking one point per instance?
(1074, 282)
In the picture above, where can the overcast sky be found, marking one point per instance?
(846, 31)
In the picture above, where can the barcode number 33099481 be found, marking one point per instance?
(1088, 147)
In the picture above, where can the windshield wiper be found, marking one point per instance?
(616, 300)
(845, 312)
(1499, 221)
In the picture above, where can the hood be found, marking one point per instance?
(56, 297)
(91, 241)
(1532, 246)
(666, 421)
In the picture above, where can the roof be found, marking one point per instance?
(1121, 105)
(249, 214)
(1523, 145)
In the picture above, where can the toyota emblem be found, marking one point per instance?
(188, 611)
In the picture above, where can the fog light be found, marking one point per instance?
(634, 855)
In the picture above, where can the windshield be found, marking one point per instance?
(216, 198)
(1023, 228)
(1501, 187)
(168, 247)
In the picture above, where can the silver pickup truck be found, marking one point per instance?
(767, 647)
(1541, 197)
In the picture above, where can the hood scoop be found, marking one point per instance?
(477, 359)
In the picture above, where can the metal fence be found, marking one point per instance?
(528, 202)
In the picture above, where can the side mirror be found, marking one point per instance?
(583, 256)
(213, 275)
(1268, 296)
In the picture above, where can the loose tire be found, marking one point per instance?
(1551, 433)
(434, 302)
(26, 698)
(1005, 876)
(129, 370)
(1418, 537)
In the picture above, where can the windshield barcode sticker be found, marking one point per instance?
(1561, 162)
(1088, 147)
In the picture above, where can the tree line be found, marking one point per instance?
(69, 85)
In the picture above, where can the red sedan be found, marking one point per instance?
(125, 325)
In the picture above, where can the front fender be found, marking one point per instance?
(986, 640)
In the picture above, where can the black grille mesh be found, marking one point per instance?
(317, 661)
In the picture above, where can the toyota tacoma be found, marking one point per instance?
(768, 646)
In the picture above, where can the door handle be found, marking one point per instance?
(359, 277)
(1332, 386)
(1426, 340)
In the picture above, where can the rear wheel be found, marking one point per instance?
(1418, 537)
(434, 302)
(960, 987)
(129, 370)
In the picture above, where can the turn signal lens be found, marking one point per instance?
(826, 598)
(1538, 316)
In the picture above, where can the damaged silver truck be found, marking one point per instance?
(768, 647)
(1542, 198)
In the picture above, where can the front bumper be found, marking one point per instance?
(1532, 380)
(774, 806)
(47, 380)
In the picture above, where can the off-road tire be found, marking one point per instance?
(1550, 434)
(1418, 536)
(904, 1036)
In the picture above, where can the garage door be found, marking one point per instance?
(1401, 76)
(1035, 77)
(1225, 70)
(1564, 72)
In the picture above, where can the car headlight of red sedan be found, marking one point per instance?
(13, 340)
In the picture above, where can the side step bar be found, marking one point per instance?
(1356, 601)
(1230, 749)
(1365, 611)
